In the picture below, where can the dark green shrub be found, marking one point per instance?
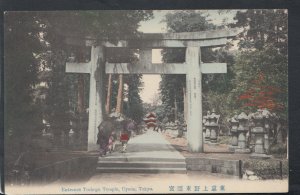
(266, 169)
(278, 150)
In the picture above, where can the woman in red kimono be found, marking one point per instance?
(124, 139)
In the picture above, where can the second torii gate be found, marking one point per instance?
(193, 68)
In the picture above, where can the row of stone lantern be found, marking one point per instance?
(211, 127)
(256, 124)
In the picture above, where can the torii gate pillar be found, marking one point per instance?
(194, 97)
(95, 99)
(96, 69)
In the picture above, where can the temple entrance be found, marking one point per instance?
(192, 67)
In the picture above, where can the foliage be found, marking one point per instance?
(266, 169)
(21, 44)
(261, 28)
(171, 88)
(97, 24)
(133, 107)
(187, 21)
(278, 150)
(34, 45)
(58, 95)
(261, 80)
(257, 73)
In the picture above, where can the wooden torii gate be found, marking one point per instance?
(193, 68)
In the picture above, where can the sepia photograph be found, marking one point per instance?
(146, 101)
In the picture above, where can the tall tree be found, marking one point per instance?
(36, 38)
(133, 108)
(172, 86)
(108, 96)
(21, 49)
(262, 67)
(263, 27)
(120, 95)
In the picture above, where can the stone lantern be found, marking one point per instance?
(214, 127)
(251, 138)
(207, 127)
(242, 129)
(234, 123)
(267, 126)
(203, 123)
(258, 131)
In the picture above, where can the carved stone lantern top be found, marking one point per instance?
(242, 116)
(258, 120)
(233, 120)
(214, 118)
(257, 115)
(234, 124)
(266, 113)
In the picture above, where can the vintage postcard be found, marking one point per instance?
(146, 101)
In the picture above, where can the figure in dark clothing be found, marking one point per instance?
(105, 130)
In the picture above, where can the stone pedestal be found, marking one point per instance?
(234, 134)
(204, 123)
(259, 132)
(259, 143)
(207, 135)
(234, 139)
(213, 136)
(266, 142)
(242, 130)
(242, 147)
(214, 127)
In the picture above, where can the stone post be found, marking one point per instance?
(267, 121)
(234, 123)
(258, 131)
(242, 130)
(203, 126)
(207, 127)
(194, 89)
(214, 127)
(95, 101)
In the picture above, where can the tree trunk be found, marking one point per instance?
(175, 109)
(279, 137)
(184, 104)
(80, 100)
(81, 109)
(108, 97)
(120, 95)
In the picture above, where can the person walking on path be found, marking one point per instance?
(105, 129)
(131, 126)
(126, 133)
(112, 142)
(124, 139)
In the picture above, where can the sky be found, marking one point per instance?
(155, 25)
